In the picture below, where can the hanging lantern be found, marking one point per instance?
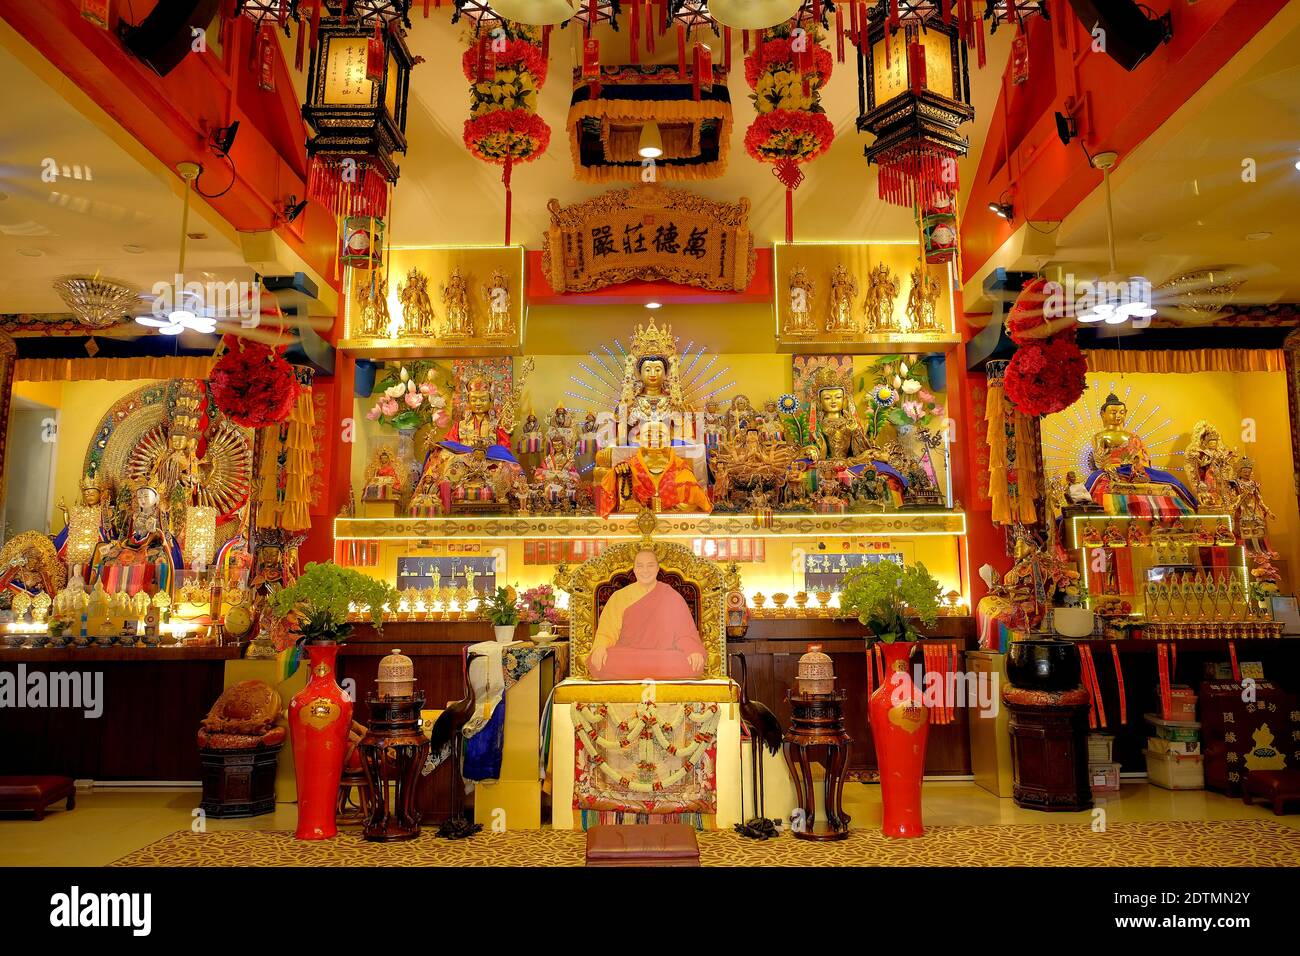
(363, 242)
(356, 106)
(914, 91)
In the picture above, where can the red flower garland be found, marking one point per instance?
(517, 133)
(778, 54)
(252, 384)
(798, 135)
(1043, 378)
(518, 55)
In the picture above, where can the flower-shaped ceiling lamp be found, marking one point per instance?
(753, 14)
(1119, 297)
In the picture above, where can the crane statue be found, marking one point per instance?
(447, 740)
(764, 731)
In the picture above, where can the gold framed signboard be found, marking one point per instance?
(647, 233)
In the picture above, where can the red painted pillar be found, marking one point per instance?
(334, 430)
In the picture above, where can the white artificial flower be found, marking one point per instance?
(404, 374)
(902, 368)
(911, 386)
(898, 381)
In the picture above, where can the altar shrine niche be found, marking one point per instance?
(649, 232)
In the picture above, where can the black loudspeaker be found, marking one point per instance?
(1130, 34)
(167, 34)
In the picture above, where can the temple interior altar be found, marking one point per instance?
(662, 432)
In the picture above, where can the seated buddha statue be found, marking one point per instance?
(646, 631)
(147, 557)
(383, 477)
(558, 474)
(839, 439)
(479, 433)
(655, 477)
(1122, 480)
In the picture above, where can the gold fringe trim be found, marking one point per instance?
(1184, 361)
(997, 439)
(113, 369)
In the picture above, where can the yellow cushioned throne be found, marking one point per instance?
(703, 584)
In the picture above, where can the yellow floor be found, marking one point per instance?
(107, 824)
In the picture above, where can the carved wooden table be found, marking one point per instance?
(393, 752)
(1049, 748)
(817, 720)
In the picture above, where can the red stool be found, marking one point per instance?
(33, 794)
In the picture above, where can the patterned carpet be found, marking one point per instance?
(1221, 843)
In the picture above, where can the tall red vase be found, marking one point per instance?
(899, 726)
(319, 717)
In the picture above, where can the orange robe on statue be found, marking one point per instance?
(647, 634)
(676, 488)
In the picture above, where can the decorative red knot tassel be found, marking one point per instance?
(1119, 681)
(681, 51)
(505, 179)
(839, 34)
(791, 176)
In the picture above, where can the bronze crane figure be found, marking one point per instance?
(446, 738)
(764, 731)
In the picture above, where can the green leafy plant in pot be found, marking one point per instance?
(889, 598)
(318, 602)
(501, 610)
(320, 714)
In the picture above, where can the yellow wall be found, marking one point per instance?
(1250, 411)
(81, 407)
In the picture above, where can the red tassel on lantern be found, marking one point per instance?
(916, 66)
(726, 50)
(853, 23)
(1019, 58)
(681, 51)
(265, 58)
(703, 72)
(376, 55)
(634, 34)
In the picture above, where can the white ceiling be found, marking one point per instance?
(1181, 202)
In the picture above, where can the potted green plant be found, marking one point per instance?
(889, 599)
(499, 606)
(317, 605)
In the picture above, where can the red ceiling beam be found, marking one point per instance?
(1115, 110)
(172, 116)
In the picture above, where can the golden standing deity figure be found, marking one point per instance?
(652, 385)
(1249, 512)
(802, 289)
(882, 290)
(373, 320)
(459, 322)
(417, 309)
(844, 293)
(496, 292)
(922, 301)
(1209, 465)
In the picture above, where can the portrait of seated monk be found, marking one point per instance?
(646, 631)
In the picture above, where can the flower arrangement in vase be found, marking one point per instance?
(537, 605)
(317, 605)
(410, 399)
(887, 597)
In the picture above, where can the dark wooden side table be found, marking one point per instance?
(393, 752)
(1049, 748)
(817, 720)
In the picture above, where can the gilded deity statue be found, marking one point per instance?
(1249, 512)
(558, 475)
(559, 425)
(844, 294)
(882, 290)
(417, 309)
(383, 478)
(750, 464)
(652, 385)
(496, 293)
(373, 320)
(87, 525)
(530, 444)
(1122, 480)
(739, 415)
(1208, 462)
(802, 288)
(922, 302)
(839, 440)
(147, 556)
(459, 323)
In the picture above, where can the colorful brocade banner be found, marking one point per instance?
(648, 233)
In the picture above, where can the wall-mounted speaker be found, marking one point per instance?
(1129, 34)
(167, 34)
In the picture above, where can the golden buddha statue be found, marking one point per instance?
(1208, 463)
(459, 323)
(802, 289)
(655, 477)
(417, 309)
(652, 385)
(1122, 480)
(747, 465)
(87, 525)
(844, 293)
(882, 290)
(383, 477)
(1249, 512)
(839, 441)
(922, 301)
(147, 556)
(496, 293)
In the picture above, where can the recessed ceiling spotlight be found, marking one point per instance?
(654, 305)
(1153, 237)
(30, 253)
(134, 248)
(196, 235)
(1258, 236)
(1297, 166)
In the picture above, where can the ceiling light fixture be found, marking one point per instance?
(186, 306)
(1003, 209)
(222, 139)
(134, 248)
(654, 305)
(292, 209)
(1258, 236)
(652, 141)
(1119, 298)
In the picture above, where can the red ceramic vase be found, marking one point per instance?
(899, 725)
(319, 717)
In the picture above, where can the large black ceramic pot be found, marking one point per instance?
(1043, 664)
